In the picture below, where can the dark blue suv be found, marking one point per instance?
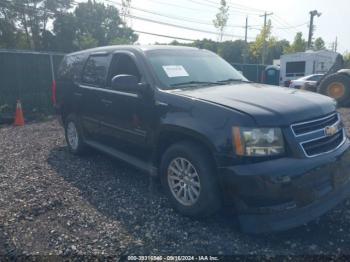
(278, 156)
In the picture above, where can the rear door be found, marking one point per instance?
(69, 96)
(93, 80)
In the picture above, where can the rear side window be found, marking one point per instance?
(95, 71)
(71, 67)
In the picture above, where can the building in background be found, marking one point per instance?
(297, 65)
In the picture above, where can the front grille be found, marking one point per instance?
(315, 136)
(323, 145)
(307, 127)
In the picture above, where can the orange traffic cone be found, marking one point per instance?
(19, 119)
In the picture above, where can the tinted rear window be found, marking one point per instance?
(71, 67)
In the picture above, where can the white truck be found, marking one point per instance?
(297, 65)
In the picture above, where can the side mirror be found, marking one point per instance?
(125, 83)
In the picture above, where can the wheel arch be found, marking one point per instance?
(171, 135)
(345, 72)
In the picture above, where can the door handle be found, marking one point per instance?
(78, 94)
(106, 102)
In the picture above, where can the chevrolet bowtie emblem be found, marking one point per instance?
(331, 130)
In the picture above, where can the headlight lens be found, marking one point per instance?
(258, 141)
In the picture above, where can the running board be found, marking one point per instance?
(139, 164)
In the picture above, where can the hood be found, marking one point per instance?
(268, 105)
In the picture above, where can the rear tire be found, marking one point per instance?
(74, 136)
(189, 179)
(336, 86)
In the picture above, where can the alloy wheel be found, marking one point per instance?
(184, 182)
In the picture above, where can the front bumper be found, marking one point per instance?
(285, 193)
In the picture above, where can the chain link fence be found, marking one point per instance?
(253, 72)
(27, 76)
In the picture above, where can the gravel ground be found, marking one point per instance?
(52, 202)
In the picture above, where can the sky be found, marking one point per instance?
(289, 17)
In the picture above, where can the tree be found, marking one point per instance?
(101, 23)
(256, 48)
(207, 44)
(90, 25)
(65, 30)
(33, 16)
(275, 49)
(221, 19)
(10, 35)
(86, 41)
(299, 44)
(319, 44)
(7, 33)
(232, 51)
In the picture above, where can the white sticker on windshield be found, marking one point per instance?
(175, 71)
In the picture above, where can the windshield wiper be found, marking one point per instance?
(233, 80)
(194, 83)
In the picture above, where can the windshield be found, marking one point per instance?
(315, 78)
(175, 68)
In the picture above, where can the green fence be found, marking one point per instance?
(27, 76)
(252, 72)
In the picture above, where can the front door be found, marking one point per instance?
(126, 122)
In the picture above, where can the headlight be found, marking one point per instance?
(258, 141)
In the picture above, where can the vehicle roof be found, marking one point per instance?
(140, 48)
(310, 54)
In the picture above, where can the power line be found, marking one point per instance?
(180, 26)
(166, 36)
(292, 27)
(282, 20)
(237, 12)
(287, 26)
(174, 25)
(235, 9)
(282, 26)
(171, 16)
(238, 6)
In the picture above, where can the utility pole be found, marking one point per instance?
(265, 25)
(336, 45)
(246, 30)
(125, 12)
(332, 46)
(245, 51)
(311, 28)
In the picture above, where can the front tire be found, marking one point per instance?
(188, 177)
(74, 136)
